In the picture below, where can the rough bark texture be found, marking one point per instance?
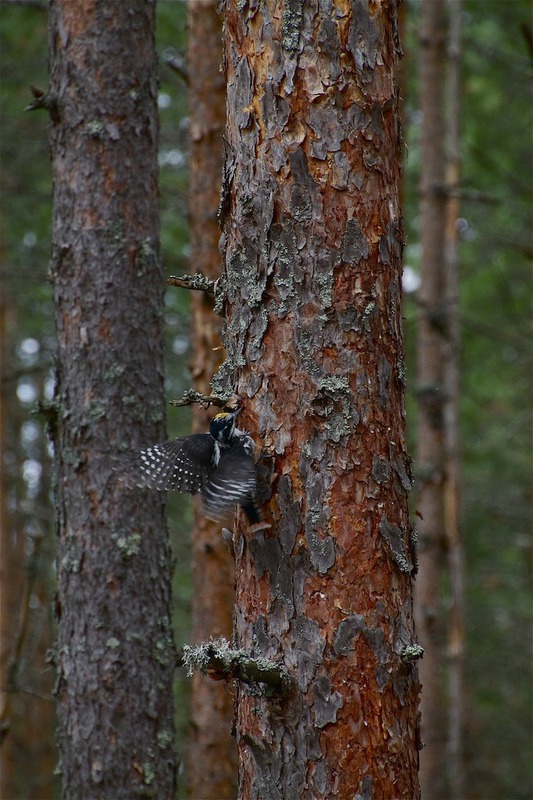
(312, 278)
(430, 429)
(115, 654)
(212, 757)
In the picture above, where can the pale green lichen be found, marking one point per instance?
(130, 400)
(293, 13)
(70, 560)
(128, 544)
(334, 385)
(411, 653)
(401, 371)
(242, 277)
(164, 650)
(148, 772)
(164, 739)
(95, 128)
(305, 342)
(72, 457)
(156, 416)
(144, 258)
(323, 280)
(393, 535)
(96, 410)
(335, 403)
(114, 371)
(115, 230)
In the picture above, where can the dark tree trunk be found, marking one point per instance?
(314, 345)
(212, 761)
(115, 653)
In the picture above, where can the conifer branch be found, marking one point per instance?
(191, 396)
(220, 661)
(195, 282)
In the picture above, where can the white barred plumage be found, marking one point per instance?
(219, 464)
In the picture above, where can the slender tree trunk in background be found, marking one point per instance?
(115, 654)
(430, 620)
(25, 601)
(12, 576)
(39, 743)
(314, 344)
(451, 382)
(212, 757)
(8, 604)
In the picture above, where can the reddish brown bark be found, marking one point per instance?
(312, 276)
(212, 756)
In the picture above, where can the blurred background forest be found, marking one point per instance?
(495, 313)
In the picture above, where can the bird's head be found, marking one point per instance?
(223, 426)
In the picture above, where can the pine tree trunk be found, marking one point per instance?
(430, 459)
(26, 625)
(115, 653)
(212, 757)
(12, 573)
(452, 391)
(313, 335)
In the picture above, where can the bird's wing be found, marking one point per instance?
(182, 464)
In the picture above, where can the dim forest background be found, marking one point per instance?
(495, 313)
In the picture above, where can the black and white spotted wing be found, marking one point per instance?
(232, 483)
(182, 465)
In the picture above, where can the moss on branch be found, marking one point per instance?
(199, 283)
(191, 396)
(220, 661)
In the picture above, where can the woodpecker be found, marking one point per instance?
(219, 464)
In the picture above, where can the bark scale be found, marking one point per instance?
(313, 335)
(115, 653)
(212, 756)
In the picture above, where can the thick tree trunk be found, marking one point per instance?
(314, 344)
(115, 654)
(212, 757)
(430, 430)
